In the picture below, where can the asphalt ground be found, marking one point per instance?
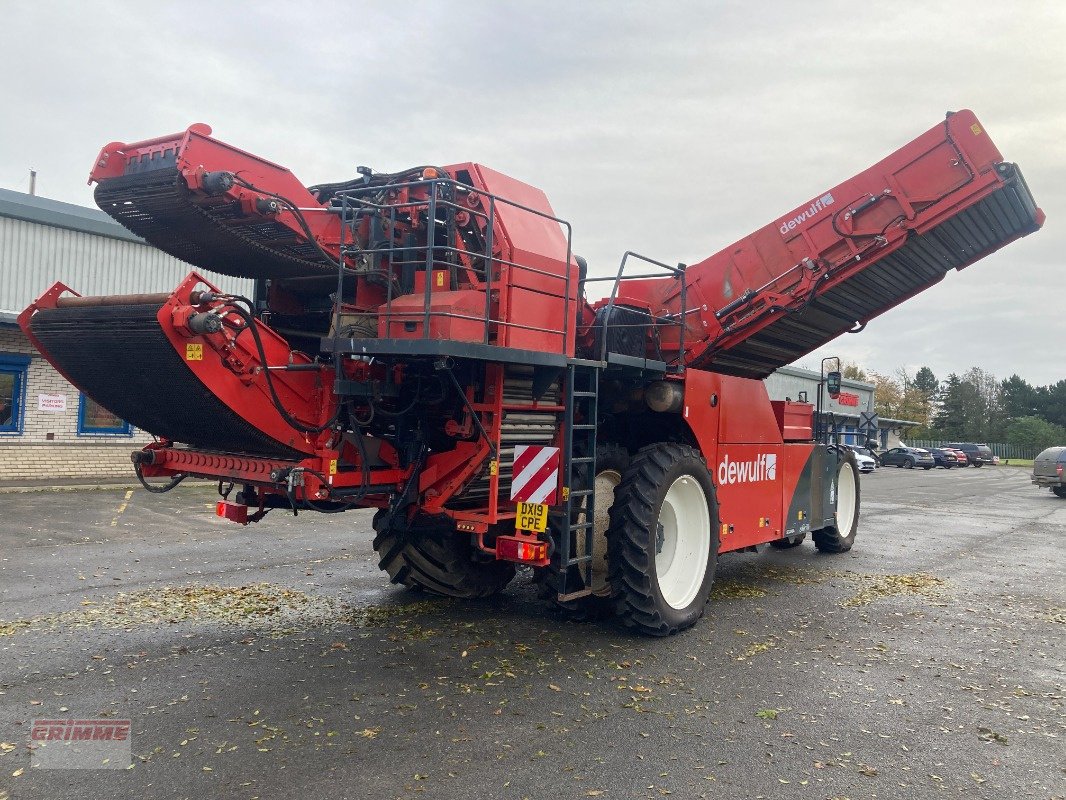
(276, 661)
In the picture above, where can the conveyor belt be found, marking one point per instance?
(120, 357)
(920, 263)
(157, 206)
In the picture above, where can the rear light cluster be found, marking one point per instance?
(1058, 469)
(511, 548)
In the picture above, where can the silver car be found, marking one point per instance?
(1048, 468)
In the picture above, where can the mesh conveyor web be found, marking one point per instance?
(157, 206)
(120, 357)
(920, 263)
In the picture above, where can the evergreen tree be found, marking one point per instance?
(1019, 398)
(951, 415)
(925, 382)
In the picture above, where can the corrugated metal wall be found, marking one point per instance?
(34, 256)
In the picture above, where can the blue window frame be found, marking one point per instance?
(13, 368)
(94, 419)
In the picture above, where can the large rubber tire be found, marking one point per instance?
(662, 543)
(908, 464)
(789, 543)
(840, 537)
(1060, 491)
(612, 460)
(429, 555)
(978, 464)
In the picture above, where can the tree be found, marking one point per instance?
(1019, 398)
(853, 371)
(950, 418)
(925, 382)
(1034, 433)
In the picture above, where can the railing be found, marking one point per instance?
(453, 255)
(678, 273)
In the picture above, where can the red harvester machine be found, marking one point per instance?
(419, 342)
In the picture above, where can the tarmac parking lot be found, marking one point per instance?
(276, 660)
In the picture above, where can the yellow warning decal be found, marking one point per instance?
(494, 467)
(194, 352)
(440, 279)
(725, 528)
(333, 467)
(976, 129)
(566, 493)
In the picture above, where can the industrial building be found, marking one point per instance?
(47, 427)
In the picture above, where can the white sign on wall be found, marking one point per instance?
(52, 402)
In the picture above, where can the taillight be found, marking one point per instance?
(511, 548)
(1058, 469)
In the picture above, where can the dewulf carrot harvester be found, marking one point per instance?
(419, 342)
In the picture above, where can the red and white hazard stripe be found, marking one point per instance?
(536, 474)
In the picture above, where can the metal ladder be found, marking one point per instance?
(579, 457)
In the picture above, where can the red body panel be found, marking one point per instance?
(756, 473)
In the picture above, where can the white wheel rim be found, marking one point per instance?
(682, 542)
(606, 482)
(846, 492)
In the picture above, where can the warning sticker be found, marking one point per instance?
(194, 352)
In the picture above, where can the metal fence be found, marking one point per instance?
(1005, 451)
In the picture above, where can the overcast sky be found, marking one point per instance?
(672, 129)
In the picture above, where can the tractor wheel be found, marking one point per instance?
(428, 554)
(789, 543)
(612, 460)
(1060, 491)
(662, 543)
(840, 537)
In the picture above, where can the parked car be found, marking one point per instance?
(1048, 468)
(908, 458)
(864, 459)
(945, 458)
(963, 459)
(976, 454)
(870, 454)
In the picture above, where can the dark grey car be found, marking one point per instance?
(1048, 468)
(908, 458)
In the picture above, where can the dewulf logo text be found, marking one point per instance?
(761, 468)
(815, 208)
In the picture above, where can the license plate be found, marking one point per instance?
(532, 517)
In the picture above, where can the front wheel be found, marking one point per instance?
(662, 541)
(908, 464)
(840, 537)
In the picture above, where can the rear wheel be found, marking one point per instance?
(1060, 491)
(428, 554)
(662, 543)
(978, 464)
(927, 468)
(908, 464)
(612, 460)
(840, 537)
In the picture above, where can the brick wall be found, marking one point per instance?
(50, 445)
